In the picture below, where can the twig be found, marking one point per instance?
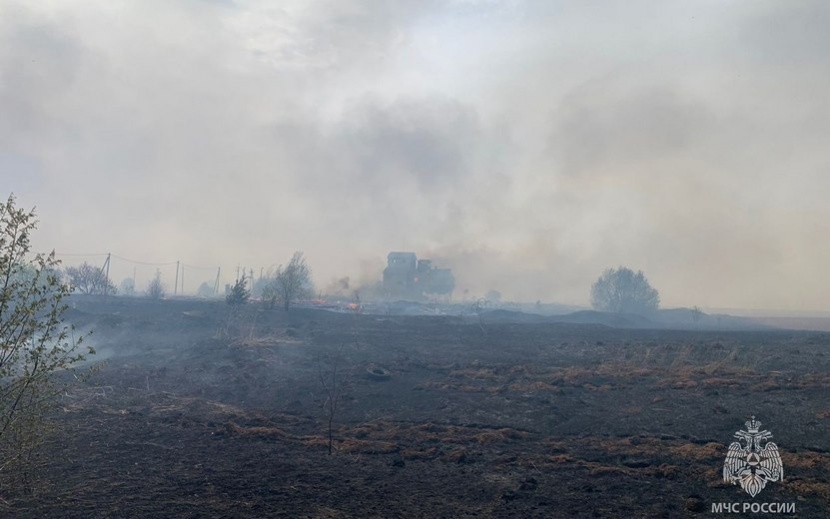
(331, 392)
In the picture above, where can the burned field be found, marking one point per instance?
(205, 411)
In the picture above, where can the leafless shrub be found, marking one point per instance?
(290, 283)
(332, 389)
(155, 289)
(88, 279)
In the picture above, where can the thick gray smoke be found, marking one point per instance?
(528, 145)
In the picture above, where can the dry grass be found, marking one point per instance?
(676, 458)
(463, 388)
(720, 382)
(271, 433)
(677, 384)
(414, 442)
(805, 460)
(767, 385)
(354, 446)
(695, 452)
(534, 387)
(420, 454)
(809, 487)
(677, 369)
(475, 374)
(606, 470)
(499, 436)
(459, 455)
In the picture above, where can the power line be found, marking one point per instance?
(76, 254)
(143, 262)
(188, 265)
(137, 262)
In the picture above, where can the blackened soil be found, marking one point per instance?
(205, 411)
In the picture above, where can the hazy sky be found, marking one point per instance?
(527, 144)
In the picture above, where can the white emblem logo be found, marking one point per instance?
(755, 464)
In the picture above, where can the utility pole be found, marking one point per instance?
(109, 257)
(106, 270)
(216, 285)
(134, 285)
(182, 278)
(176, 287)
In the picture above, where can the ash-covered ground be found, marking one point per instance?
(203, 410)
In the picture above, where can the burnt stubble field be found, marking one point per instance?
(202, 410)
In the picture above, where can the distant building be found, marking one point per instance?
(407, 277)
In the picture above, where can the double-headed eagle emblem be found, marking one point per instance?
(754, 463)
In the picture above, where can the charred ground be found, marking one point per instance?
(207, 411)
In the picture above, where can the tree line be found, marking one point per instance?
(284, 285)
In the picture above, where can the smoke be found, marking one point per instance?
(527, 145)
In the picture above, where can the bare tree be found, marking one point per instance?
(88, 279)
(205, 290)
(697, 314)
(34, 341)
(291, 282)
(478, 308)
(623, 290)
(127, 287)
(493, 296)
(155, 289)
